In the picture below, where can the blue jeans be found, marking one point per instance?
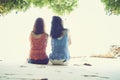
(44, 61)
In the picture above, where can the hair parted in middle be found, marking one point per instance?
(39, 27)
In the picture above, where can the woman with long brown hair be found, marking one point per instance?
(38, 43)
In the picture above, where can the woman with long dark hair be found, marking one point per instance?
(38, 41)
(60, 41)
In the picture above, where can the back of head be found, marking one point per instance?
(39, 26)
(56, 27)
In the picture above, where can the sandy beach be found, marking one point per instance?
(91, 31)
(79, 68)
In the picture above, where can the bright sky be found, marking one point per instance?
(92, 31)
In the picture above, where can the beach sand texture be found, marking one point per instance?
(80, 68)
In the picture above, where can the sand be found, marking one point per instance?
(79, 68)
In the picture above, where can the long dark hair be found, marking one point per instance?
(39, 26)
(56, 27)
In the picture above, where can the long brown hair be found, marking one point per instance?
(39, 26)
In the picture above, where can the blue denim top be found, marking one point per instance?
(60, 48)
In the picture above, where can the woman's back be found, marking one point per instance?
(38, 41)
(38, 46)
(60, 47)
(59, 42)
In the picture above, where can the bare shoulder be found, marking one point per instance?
(66, 31)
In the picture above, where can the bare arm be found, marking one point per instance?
(69, 38)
